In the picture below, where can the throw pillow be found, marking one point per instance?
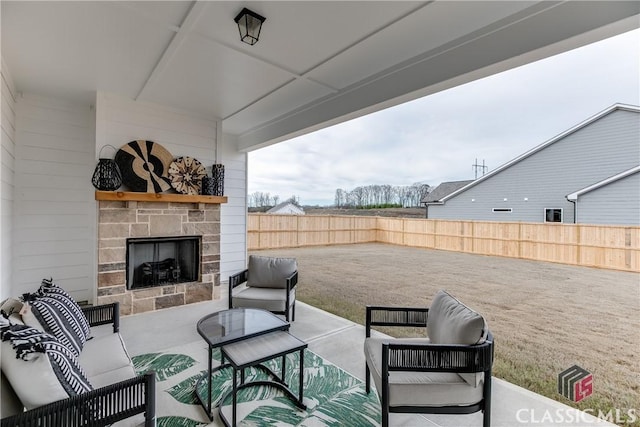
(53, 310)
(43, 370)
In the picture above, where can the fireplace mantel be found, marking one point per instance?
(125, 196)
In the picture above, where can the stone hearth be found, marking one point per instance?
(120, 220)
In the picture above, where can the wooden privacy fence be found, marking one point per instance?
(611, 247)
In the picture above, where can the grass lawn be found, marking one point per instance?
(545, 317)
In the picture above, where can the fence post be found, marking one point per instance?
(404, 232)
(519, 239)
(297, 230)
(579, 244)
(473, 237)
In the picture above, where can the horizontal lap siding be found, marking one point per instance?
(7, 181)
(55, 218)
(233, 214)
(617, 203)
(598, 151)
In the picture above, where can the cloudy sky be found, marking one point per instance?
(437, 138)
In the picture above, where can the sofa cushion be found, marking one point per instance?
(57, 313)
(270, 272)
(39, 368)
(103, 354)
(418, 388)
(452, 322)
(112, 377)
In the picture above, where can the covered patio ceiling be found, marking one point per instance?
(317, 62)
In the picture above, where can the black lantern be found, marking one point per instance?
(249, 25)
(214, 185)
(217, 172)
(106, 176)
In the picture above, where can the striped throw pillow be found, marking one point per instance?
(59, 315)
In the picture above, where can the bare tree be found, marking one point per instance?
(293, 199)
(261, 200)
(381, 195)
(340, 200)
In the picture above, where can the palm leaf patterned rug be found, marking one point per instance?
(333, 397)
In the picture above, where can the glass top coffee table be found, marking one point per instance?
(230, 326)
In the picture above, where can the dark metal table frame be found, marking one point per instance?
(230, 326)
(292, 345)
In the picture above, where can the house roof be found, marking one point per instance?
(574, 196)
(317, 63)
(615, 107)
(279, 207)
(442, 190)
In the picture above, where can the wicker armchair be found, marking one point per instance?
(425, 375)
(270, 284)
(100, 407)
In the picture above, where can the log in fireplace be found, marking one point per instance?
(159, 261)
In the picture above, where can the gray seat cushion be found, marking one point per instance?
(418, 388)
(112, 377)
(104, 354)
(270, 272)
(265, 298)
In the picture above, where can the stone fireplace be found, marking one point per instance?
(120, 222)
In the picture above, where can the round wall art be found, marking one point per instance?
(144, 166)
(186, 175)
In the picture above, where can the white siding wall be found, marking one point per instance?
(7, 167)
(602, 149)
(615, 204)
(233, 235)
(54, 213)
(120, 120)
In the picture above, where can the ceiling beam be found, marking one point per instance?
(189, 22)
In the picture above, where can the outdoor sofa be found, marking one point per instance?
(44, 385)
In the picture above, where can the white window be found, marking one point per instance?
(553, 215)
(502, 210)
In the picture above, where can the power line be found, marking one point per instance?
(477, 166)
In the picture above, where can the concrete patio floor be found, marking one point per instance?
(341, 342)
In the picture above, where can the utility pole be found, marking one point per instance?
(476, 166)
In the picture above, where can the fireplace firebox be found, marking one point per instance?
(160, 261)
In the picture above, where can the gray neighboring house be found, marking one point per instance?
(436, 195)
(587, 174)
